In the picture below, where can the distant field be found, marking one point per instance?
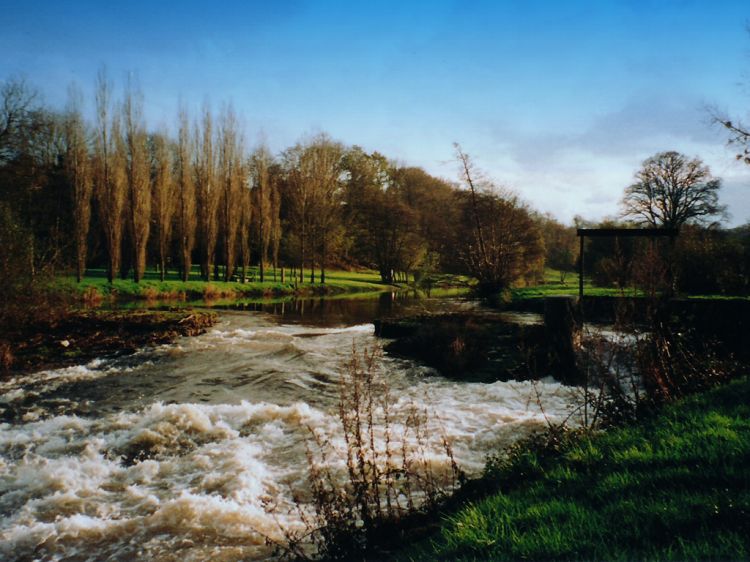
(552, 286)
(95, 285)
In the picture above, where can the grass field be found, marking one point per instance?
(674, 488)
(552, 286)
(338, 284)
(151, 287)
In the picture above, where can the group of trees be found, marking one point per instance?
(680, 193)
(108, 192)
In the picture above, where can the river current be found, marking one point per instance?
(194, 450)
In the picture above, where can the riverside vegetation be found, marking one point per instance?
(105, 201)
(673, 487)
(666, 481)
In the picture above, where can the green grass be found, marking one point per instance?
(151, 287)
(552, 286)
(674, 488)
(338, 284)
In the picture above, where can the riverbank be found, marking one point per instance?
(95, 287)
(81, 336)
(675, 487)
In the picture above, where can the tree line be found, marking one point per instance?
(78, 193)
(109, 192)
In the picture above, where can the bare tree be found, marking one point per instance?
(276, 227)
(78, 170)
(230, 179)
(504, 244)
(17, 107)
(109, 173)
(739, 136)
(186, 216)
(245, 227)
(670, 190)
(164, 196)
(207, 193)
(300, 199)
(138, 177)
(313, 174)
(325, 168)
(275, 230)
(261, 162)
(467, 169)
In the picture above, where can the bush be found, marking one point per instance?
(387, 474)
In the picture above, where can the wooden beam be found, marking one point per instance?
(626, 232)
(580, 273)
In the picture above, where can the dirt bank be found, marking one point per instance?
(82, 336)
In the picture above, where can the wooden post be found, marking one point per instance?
(580, 269)
(562, 327)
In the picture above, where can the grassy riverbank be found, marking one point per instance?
(676, 487)
(95, 286)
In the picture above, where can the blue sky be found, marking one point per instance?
(560, 101)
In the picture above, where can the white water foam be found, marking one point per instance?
(196, 481)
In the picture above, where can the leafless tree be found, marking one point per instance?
(670, 190)
(78, 170)
(110, 179)
(300, 199)
(186, 215)
(275, 230)
(207, 192)
(245, 227)
(504, 243)
(17, 107)
(468, 173)
(138, 178)
(325, 169)
(262, 188)
(313, 179)
(230, 180)
(739, 135)
(164, 196)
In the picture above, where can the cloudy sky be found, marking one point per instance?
(560, 101)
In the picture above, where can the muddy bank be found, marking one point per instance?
(83, 336)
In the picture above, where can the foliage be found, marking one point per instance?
(513, 247)
(499, 241)
(713, 261)
(672, 488)
(388, 473)
(561, 246)
(113, 194)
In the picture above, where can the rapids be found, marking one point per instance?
(193, 450)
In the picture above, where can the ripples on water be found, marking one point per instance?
(191, 451)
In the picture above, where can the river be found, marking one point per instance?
(194, 450)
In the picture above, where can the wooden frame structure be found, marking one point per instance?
(582, 233)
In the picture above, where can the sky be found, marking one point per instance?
(560, 101)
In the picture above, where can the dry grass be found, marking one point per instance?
(387, 473)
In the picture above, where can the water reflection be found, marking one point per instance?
(332, 312)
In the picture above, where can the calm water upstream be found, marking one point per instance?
(193, 450)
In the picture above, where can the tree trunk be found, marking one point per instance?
(302, 257)
(323, 262)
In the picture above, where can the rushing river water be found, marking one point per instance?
(193, 450)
